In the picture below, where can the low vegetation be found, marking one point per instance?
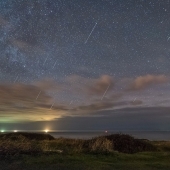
(118, 151)
(128, 144)
(14, 143)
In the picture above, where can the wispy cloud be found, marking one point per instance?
(93, 86)
(143, 82)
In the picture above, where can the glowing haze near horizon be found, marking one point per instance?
(85, 65)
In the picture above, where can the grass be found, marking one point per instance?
(138, 161)
(99, 153)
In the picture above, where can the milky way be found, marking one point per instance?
(58, 57)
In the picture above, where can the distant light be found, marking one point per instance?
(2, 131)
(46, 131)
(106, 131)
(15, 131)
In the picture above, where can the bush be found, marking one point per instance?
(66, 145)
(27, 143)
(128, 144)
(15, 147)
(99, 145)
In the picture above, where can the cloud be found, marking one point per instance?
(19, 102)
(92, 86)
(122, 120)
(48, 84)
(104, 105)
(96, 106)
(33, 101)
(136, 102)
(12, 93)
(115, 96)
(143, 82)
(99, 86)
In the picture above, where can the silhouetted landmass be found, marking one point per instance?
(29, 136)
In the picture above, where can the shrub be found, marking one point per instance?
(99, 145)
(8, 147)
(128, 144)
(66, 145)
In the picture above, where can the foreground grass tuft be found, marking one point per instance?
(99, 145)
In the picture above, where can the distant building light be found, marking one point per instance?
(15, 131)
(46, 131)
(2, 131)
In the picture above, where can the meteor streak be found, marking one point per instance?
(134, 100)
(90, 33)
(45, 60)
(55, 64)
(16, 79)
(38, 95)
(105, 92)
(52, 106)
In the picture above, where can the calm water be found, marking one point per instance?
(151, 135)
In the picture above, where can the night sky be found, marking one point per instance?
(85, 64)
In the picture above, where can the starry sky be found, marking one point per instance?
(85, 65)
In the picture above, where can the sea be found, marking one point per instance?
(150, 135)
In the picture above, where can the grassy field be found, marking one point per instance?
(21, 152)
(138, 161)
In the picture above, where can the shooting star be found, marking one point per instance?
(38, 95)
(105, 92)
(55, 64)
(45, 60)
(71, 102)
(52, 106)
(90, 33)
(16, 79)
(134, 100)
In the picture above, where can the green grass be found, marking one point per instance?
(19, 152)
(138, 161)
